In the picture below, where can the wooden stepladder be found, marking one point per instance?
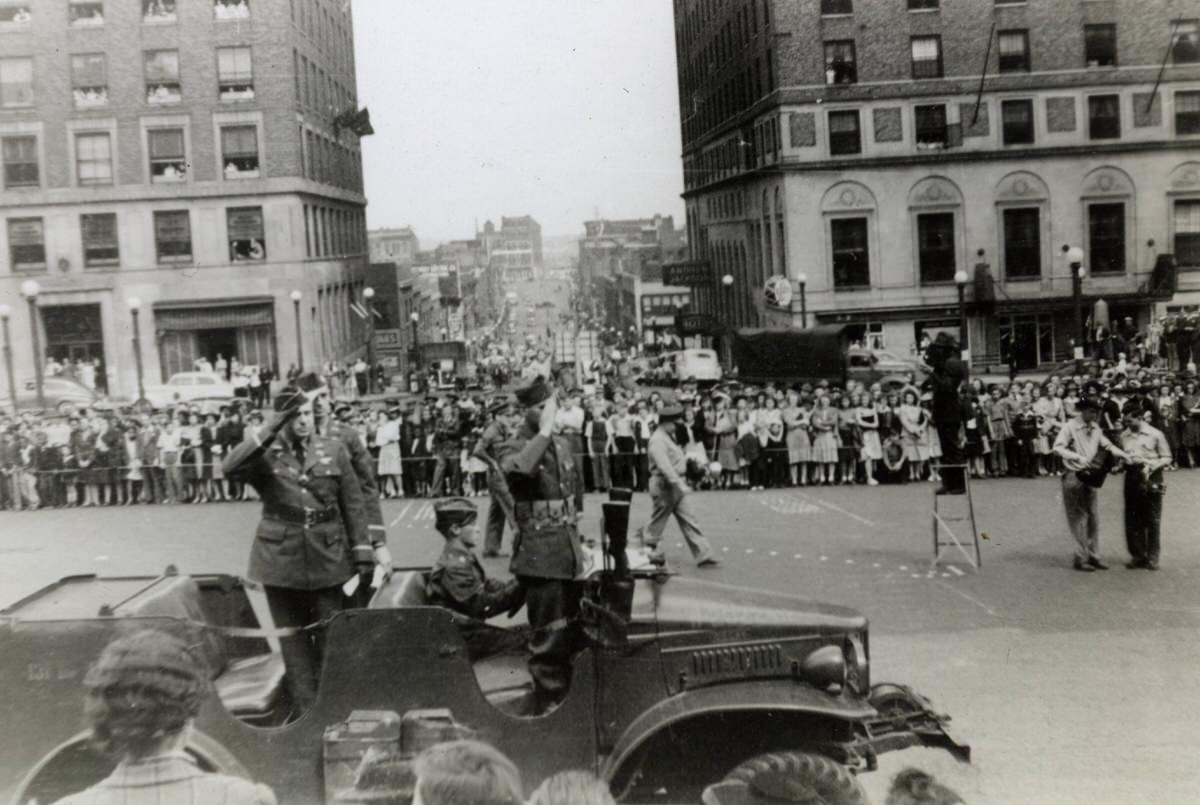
(951, 512)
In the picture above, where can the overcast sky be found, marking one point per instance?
(555, 108)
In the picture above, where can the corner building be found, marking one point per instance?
(870, 150)
(182, 153)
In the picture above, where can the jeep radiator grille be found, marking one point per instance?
(739, 660)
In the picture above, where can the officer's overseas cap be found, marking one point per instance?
(534, 392)
(454, 511)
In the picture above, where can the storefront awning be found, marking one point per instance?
(214, 314)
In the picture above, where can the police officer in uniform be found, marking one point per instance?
(487, 448)
(1148, 455)
(547, 555)
(313, 533)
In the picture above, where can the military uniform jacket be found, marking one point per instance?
(488, 450)
(364, 468)
(458, 582)
(547, 495)
(287, 552)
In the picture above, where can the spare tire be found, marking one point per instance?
(799, 777)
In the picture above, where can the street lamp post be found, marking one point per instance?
(368, 295)
(960, 280)
(1078, 272)
(30, 290)
(135, 306)
(296, 297)
(5, 312)
(802, 280)
(415, 368)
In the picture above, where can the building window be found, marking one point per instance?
(162, 77)
(935, 246)
(1014, 51)
(100, 239)
(1022, 243)
(1100, 45)
(82, 13)
(1185, 47)
(15, 15)
(1106, 238)
(168, 159)
(235, 74)
(931, 125)
(246, 241)
(173, 236)
(1187, 233)
(1104, 117)
(841, 66)
(837, 6)
(16, 83)
(851, 256)
(20, 162)
(844, 137)
(26, 244)
(93, 158)
(1187, 112)
(89, 80)
(922, 5)
(158, 11)
(239, 152)
(1017, 119)
(926, 57)
(232, 10)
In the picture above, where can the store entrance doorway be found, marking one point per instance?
(223, 342)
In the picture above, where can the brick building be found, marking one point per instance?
(399, 245)
(185, 154)
(516, 247)
(874, 150)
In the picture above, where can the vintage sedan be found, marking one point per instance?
(189, 387)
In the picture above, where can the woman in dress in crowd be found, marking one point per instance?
(914, 422)
(1043, 412)
(1189, 411)
(706, 423)
(202, 454)
(932, 440)
(1167, 405)
(390, 470)
(1014, 408)
(748, 449)
(849, 439)
(645, 420)
(975, 435)
(1000, 428)
(230, 433)
(210, 437)
(867, 419)
(421, 450)
(775, 448)
(595, 434)
(84, 445)
(824, 443)
(109, 459)
(725, 428)
(795, 420)
(189, 455)
(133, 460)
(623, 450)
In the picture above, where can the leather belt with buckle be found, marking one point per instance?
(305, 516)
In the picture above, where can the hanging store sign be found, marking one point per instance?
(689, 272)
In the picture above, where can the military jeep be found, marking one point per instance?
(700, 685)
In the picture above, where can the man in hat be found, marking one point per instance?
(547, 554)
(313, 533)
(1078, 444)
(1149, 454)
(459, 582)
(669, 489)
(487, 449)
(946, 410)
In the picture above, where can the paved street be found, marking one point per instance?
(1034, 661)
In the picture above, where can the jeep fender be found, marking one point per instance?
(779, 696)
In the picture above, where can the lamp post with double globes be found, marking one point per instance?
(369, 294)
(1074, 256)
(5, 312)
(135, 306)
(296, 297)
(960, 281)
(30, 290)
(802, 281)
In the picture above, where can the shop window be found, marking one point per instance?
(1014, 51)
(93, 158)
(1104, 117)
(1022, 243)
(156, 11)
(844, 135)
(931, 125)
(100, 239)
(1187, 112)
(89, 80)
(168, 160)
(162, 77)
(16, 83)
(841, 66)
(1106, 238)
(926, 57)
(20, 162)
(82, 13)
(851, 255)
(1185, 45)
(15, 15)
(239, 152)
(235, 74)
(173, 236)
(1187, 233)
(935, 247)
(231, 10)
(246, 241)
(922, 5)
(837, 6)
(1100, 45)
(26, 244)
(1017, 119)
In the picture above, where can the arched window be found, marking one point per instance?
(1108, 218)
(849, 211)
(1022, 204)
(935, 205)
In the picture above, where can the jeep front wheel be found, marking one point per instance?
(789, 777)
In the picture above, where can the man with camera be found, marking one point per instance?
(946, 409)
(1148, 455)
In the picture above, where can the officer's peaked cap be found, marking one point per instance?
(454, 511)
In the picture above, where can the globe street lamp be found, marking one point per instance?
(135, 305)
(5, 312)
(296, 297)
(1078, 272)
(802, 280)
(415, 368)
(960, 280)
(30, 290)
(369, 294)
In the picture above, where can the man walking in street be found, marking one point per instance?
(487, 449)
(1079, 444)
(1149, 454)
(669, 490)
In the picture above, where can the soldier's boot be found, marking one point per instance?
(616, 532)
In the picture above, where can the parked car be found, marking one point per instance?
(60, 393)
(870, 366)
(188, 387)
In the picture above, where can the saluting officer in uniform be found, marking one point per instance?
(487, 449)
(547, 555)
(313, 533)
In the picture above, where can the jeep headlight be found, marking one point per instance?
(825, 667)
(857, 671)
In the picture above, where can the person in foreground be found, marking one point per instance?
(142, 696)
(462, 772)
